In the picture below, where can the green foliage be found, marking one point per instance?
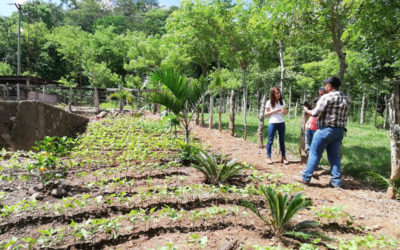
(188, 152)
(332, 213)
(367, 242)
(58, 146)
(282, 209)
(100, 75)
(117, 21)
(122, 95)
(217, 172)
(47, 162)
(5, 69)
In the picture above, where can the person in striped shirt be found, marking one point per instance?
(332, 110)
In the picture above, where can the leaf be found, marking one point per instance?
(254, 209)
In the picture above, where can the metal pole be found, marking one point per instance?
(19, 39)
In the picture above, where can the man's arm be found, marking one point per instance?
(321, 105)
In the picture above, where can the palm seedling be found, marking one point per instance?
(282, 210)
(214, 172)
(122, 95)
(179, 95)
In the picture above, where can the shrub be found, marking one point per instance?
(58, 146)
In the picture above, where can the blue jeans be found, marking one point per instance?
(309, 135)
(328, 138)
(272, 128)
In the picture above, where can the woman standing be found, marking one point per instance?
(276, 109)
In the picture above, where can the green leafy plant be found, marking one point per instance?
(188, 153)
(48, 167)
(332, 213)
(171, 120)
(217, 173)
(48, 164)
(366, 242)
(395, 184)
(282, 210)
(58, 146)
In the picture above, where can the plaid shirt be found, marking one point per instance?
(332, 110)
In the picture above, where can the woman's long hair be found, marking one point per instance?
(272, 97)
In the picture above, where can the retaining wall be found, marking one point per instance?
(22, 123)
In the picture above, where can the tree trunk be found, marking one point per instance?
(69, 107)
(138, 102)
(244, 108)
(303, 152)
(226, 102)
(261, 118)
(290, 101)
(394, 114)
(155, 108)
(202, 111)
(362, 111)
(295, 111)
(258, 103)
(220, 107)
(336, 32)
(196, 116)
(96, 101)
(232, 113)
(121, 101)
(211, 111)
(236, 104)
(386, 113)
(281, 48)
(376, 106)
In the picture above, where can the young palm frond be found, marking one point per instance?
(178, 95)
(282, 210)
(214, 172)
(121, 95)
(395, 184)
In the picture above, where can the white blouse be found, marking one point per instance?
(276, 117)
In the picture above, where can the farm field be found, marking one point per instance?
(128, 183)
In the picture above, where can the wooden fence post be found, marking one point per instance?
(303, 152)
(394, 114)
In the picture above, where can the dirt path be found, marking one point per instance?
(369, 208)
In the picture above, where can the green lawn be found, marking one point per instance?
(365, 148)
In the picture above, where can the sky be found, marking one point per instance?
(6, 9)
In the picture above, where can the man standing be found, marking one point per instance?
(332, 111)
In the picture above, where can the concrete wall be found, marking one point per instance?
(22, 123)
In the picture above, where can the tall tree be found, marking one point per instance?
(69, 42)
(84, 13)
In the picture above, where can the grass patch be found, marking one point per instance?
(365, 148)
